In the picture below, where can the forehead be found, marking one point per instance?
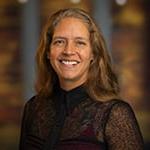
(71, 25)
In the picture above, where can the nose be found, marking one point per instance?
(69, 48)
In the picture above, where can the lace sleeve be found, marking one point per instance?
(122, 131)
(23, 128)
(24, 123)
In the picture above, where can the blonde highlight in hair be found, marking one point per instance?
(102, 82)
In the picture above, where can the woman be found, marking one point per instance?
(77, 105)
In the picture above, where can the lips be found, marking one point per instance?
(69, 62)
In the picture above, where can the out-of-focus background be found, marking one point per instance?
(126, 27)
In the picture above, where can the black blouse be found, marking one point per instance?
(73, 121)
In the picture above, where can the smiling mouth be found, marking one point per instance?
(69, 62)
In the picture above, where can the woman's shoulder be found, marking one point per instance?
(117, 102)
(112, 103)
(122, 107)
(38, 106)
(118, 109)
(114, 106)
(115, 109)
(31, 101)
(103, 106)
(30, 104)
(37, 102)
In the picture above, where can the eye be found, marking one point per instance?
(81, 43)
(58, 42)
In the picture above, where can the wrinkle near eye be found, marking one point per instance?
(81, 43)
(58, 42)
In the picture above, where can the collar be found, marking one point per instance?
(70, 99)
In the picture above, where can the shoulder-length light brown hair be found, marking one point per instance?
(101, 83)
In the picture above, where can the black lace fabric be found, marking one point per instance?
(84, 124)
(122, 130)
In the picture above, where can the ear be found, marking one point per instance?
(92, 57)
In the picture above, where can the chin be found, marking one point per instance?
(69, 78)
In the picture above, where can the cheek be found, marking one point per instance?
(88, 55)
(52, 54)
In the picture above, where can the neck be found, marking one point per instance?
(67, 86)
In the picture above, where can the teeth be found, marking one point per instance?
(68, 62)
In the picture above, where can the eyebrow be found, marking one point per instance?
(65, 38)
(59, 37)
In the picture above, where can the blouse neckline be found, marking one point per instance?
(70, 99)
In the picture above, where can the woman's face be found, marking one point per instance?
(70, 52)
